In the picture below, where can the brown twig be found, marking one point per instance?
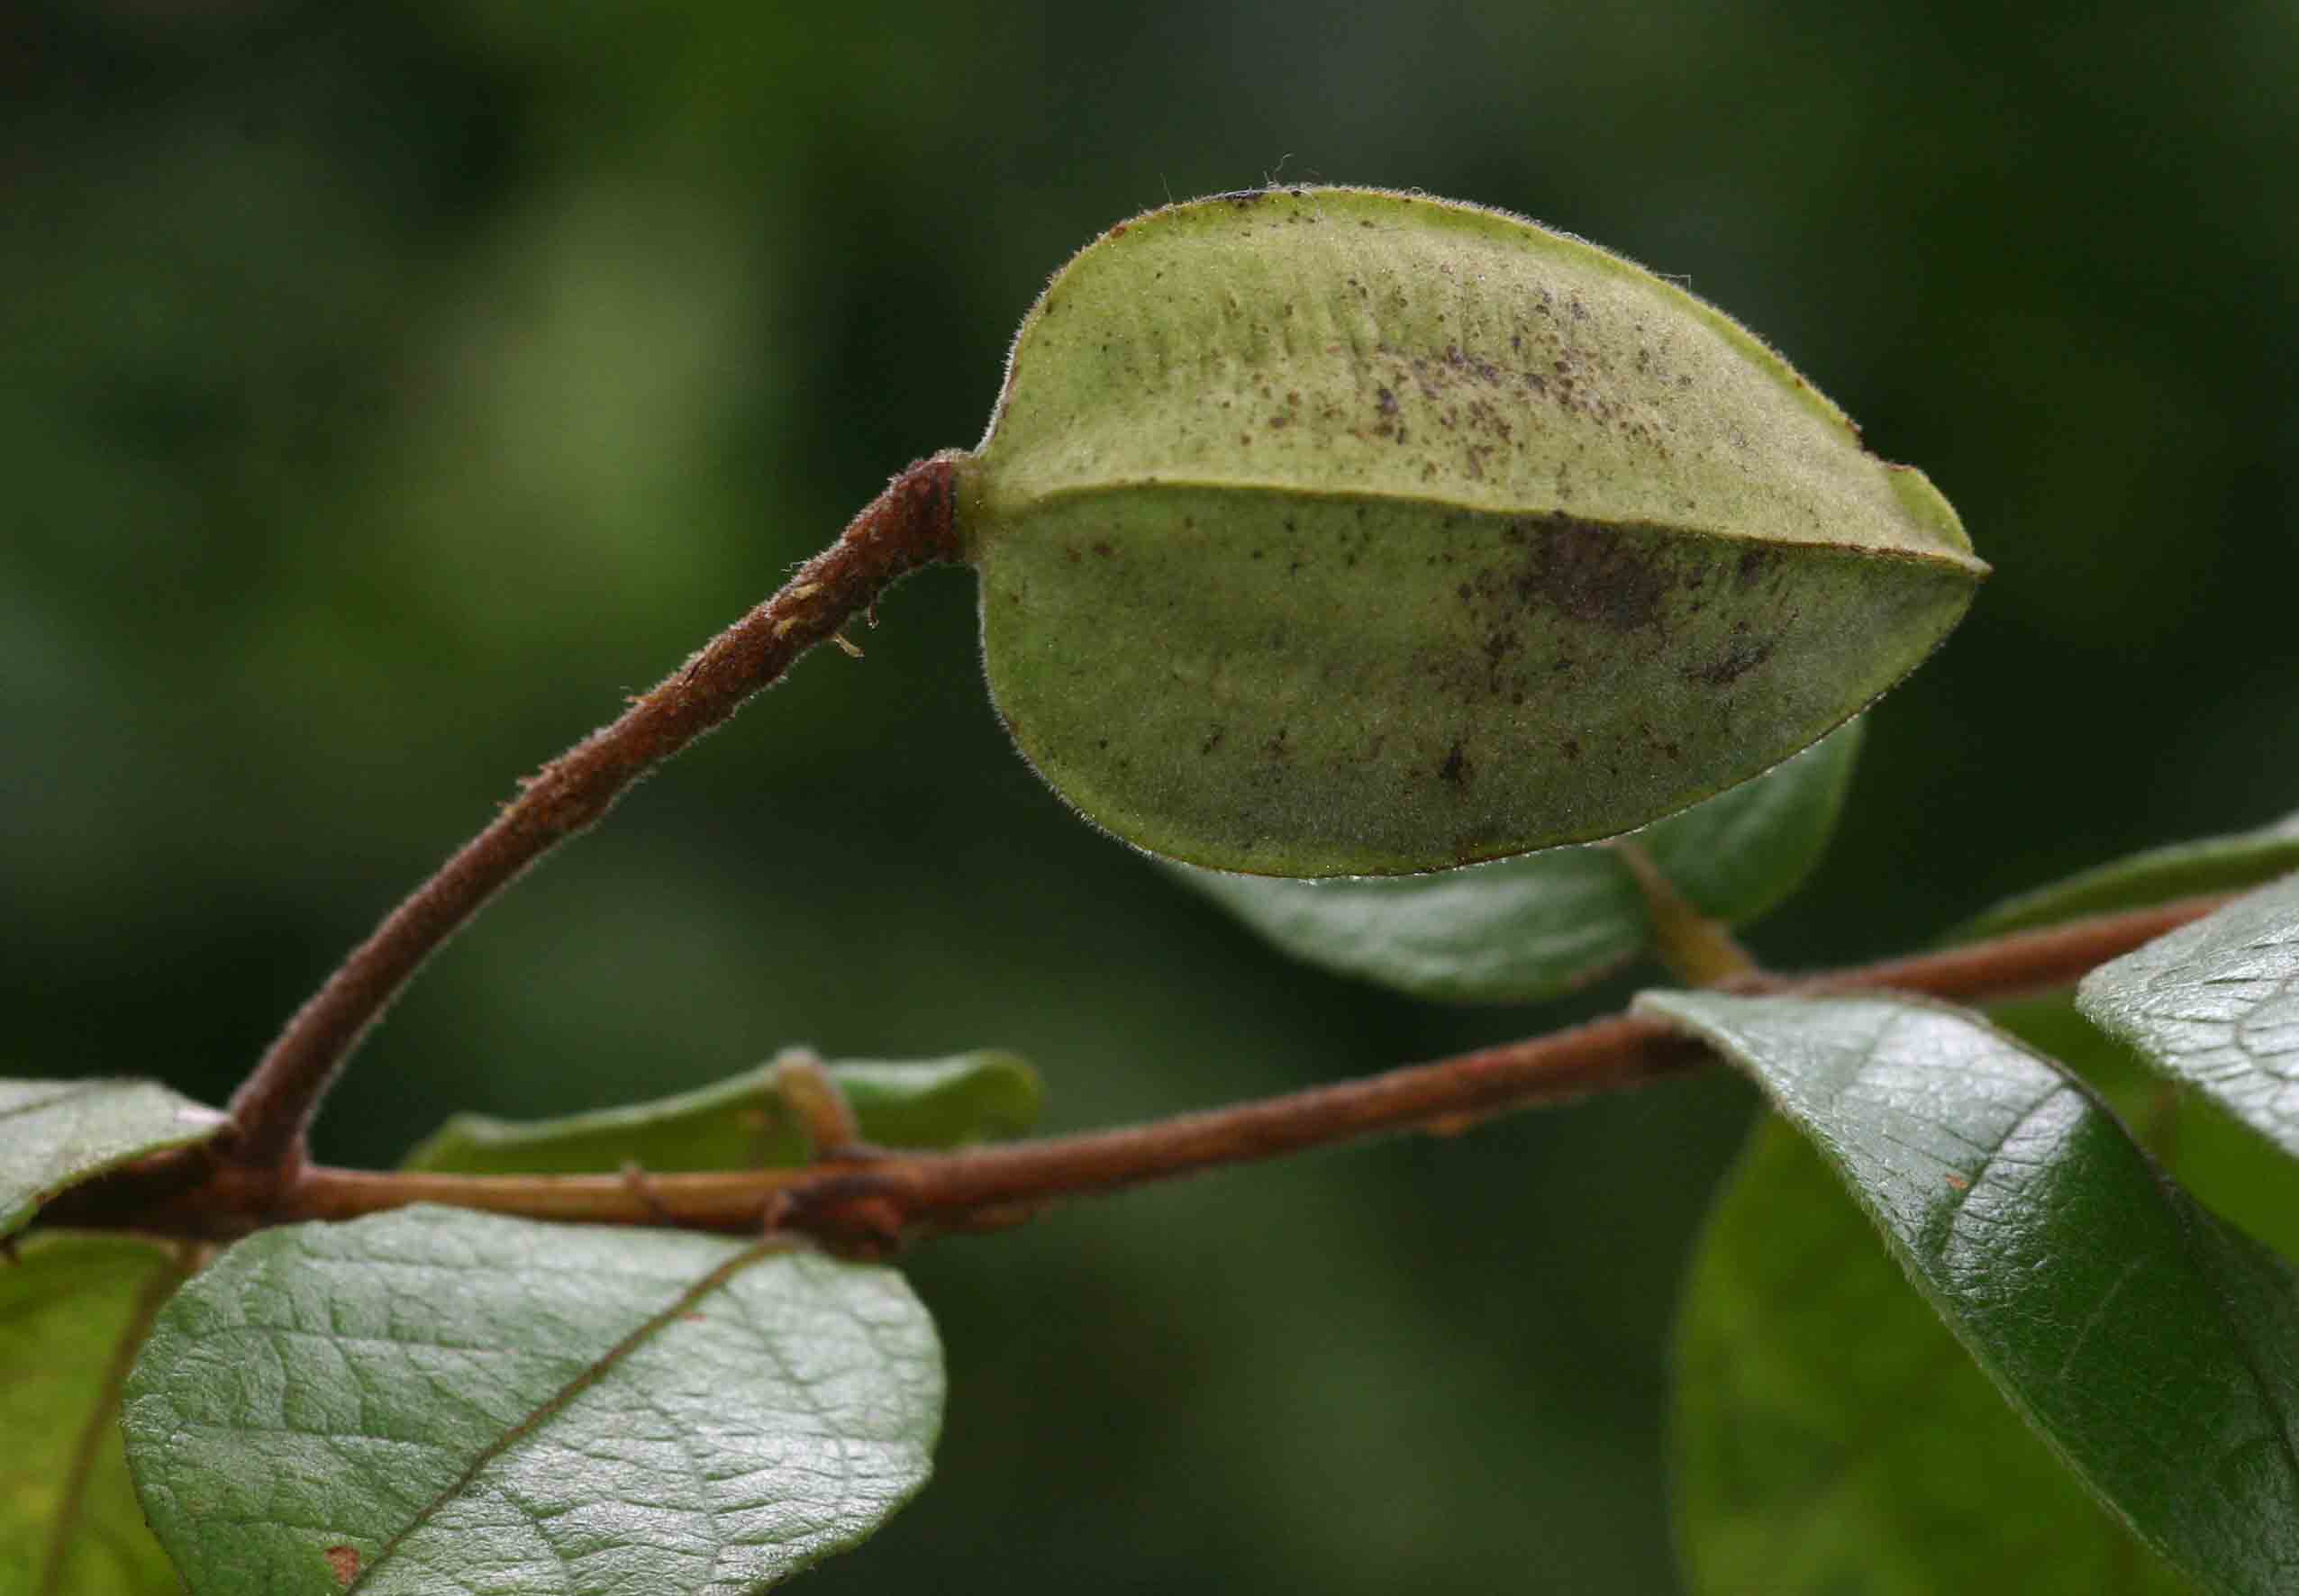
(848, 1204)
(1449, 1094)
(910, 525)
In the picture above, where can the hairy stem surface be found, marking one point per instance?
(869, 1203)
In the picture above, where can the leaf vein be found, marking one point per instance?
(551, 1406)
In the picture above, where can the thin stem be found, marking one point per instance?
(1695, 949)
(981, 1187)
(909, 525)
(1446, 1096)
(822, 1109)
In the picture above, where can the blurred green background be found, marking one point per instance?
(387, 389)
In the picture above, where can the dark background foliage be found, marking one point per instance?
(386, 389)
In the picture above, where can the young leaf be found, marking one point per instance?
(2215, 1005)
(2154, 1348)
(1334, 532)
(1529, 928)
(743, 1123)
(2159, 875)
(1830, 1436)
(56, 1134)
(434, 1400)
(73, 1310)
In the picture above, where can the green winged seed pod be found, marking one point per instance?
(1332, 531)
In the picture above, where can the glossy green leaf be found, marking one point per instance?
(443, 1403)
(1342, 532)
(2154, 1347)
(2223, 1164)
(1529, 928)
(1830, 1436)
(73, 1308)
(2215, 1005)
(56, 1134)
(743, 1123)
(2159, 875)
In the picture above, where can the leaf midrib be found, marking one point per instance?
(552, 1405)
(66, 1092)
